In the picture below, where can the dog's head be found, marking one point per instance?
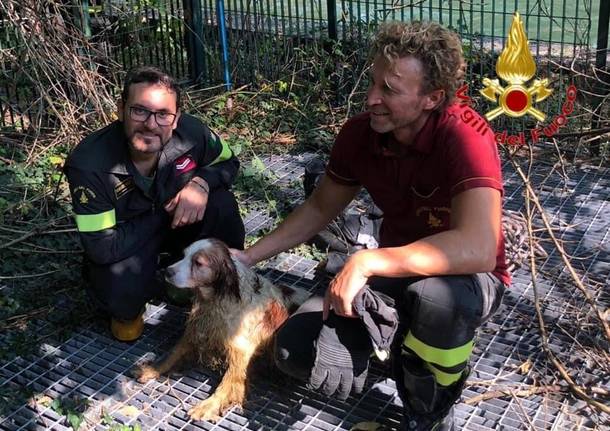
(208, 268)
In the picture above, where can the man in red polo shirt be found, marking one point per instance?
(432, 167)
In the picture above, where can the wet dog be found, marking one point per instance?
(234, 316)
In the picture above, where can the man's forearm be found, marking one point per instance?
(115, 244)
(469, 247)
(326, 202)
(302, 224)
(449, 252)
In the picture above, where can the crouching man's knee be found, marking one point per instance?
(293, 353)
(122, 289)
(430, 358)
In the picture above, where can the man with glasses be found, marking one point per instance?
(154, 181)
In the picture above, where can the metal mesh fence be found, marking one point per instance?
(138, 32)
(264, 36)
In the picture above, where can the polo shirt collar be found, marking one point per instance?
(424, 140)
(179, 144)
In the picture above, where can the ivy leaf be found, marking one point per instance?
(75, 420)
(55, 160)
(282, 86)
(258, 165)
(56, 407)
(236, 149)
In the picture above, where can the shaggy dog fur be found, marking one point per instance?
(234, 317)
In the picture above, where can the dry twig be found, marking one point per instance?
(62, 70)
(507, 392)
(532, 197)
(529, 198)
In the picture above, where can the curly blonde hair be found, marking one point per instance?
(437, 48)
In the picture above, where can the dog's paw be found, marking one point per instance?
(210, 410)
(144, 373)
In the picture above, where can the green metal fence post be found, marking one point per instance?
(331, 6)
(194, 39)
(600, 64)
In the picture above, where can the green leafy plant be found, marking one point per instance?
(109, 421)
(72, 408)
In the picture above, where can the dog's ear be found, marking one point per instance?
(227, 279)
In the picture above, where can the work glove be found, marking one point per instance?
(343, 349)
(377, 312)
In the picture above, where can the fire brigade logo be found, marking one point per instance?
(516, 66)
(85, 194)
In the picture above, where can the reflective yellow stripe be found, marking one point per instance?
(443, 357)
(443, 378)
(225, 154)
(95, 222)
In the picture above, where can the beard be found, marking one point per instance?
(382, 123)
(142, 141)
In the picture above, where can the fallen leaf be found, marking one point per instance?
(525, 367)
(44, 400)
(130, 411)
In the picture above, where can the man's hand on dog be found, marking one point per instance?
(188, 206)
(242, 256)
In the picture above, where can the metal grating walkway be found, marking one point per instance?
(91, 366)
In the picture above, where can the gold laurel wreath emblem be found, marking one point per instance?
(516, 66)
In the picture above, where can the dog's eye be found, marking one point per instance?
(198, 262)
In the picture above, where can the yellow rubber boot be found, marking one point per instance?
(127, 330)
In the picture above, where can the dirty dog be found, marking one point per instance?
(234, 316)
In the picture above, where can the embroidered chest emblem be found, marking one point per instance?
(434, 221)
(184, 164)
(434, 215)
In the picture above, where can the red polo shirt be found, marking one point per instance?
(455, 151)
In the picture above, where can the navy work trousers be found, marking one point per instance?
(440, 313)
(121, 289)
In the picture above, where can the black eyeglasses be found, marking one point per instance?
(142, 114)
